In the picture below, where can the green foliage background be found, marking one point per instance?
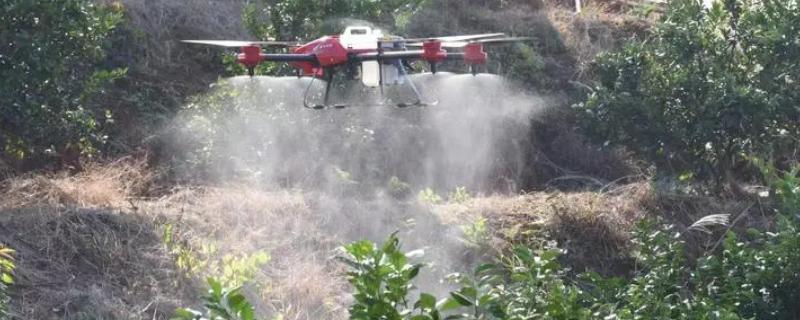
(50, 68)
(706, 89)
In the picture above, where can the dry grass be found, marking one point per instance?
(98, 186)
(600, 27)
(89, 263)
(300, 281)
(592, 226)
(88, 247)
(81, 252)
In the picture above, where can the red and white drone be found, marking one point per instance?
(365, 53)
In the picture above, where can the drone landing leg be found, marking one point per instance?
(329, 82)
(307, 93)
(419, 102)
(326, 99)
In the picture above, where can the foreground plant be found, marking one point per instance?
(381, 278)
(221, 304)
(6, 277)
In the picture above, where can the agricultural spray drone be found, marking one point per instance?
(363, 53)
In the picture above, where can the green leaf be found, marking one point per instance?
(426, 301)
(486, 267)
(414, 271)
(215, 287)
(448, 304)
(6, 278)
(524, 254)
(461, 299)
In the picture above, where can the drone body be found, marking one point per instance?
(365, 54)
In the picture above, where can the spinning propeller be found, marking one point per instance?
(463, 43)
(235, 43)
(453, 38)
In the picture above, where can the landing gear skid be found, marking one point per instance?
(385, 103)
(397, 105)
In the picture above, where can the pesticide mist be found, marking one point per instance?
(360, 172)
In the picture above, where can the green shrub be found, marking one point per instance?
(428, 196)
(50, 68)
(477, 234)
(459, 195)
(6, 277)
(398, 188)
(760, 273)
(221, 304)
(231, 270)
(707, 87)
(381, 278)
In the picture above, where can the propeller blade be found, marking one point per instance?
(461, 44)
(452, 38)
(505, 40)
(235, 43)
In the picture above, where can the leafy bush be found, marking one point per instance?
(50, 67)
(706, 88)
(460, 195)
(231, 270)
(398, 188)
(6, 277)
(477, 234)
(760, 273)
(428, 196)
(221, 304)
(381, 278)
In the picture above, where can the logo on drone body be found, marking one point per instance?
(323, 46)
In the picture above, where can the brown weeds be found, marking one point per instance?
(89, 263)
(300, 281)
(593, 227)
(98, 186)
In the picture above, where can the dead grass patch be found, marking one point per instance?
(593, 227)
(98, 186)
(300, 281)
(89, 264)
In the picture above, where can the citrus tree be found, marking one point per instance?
(50, 55)
(709, 87)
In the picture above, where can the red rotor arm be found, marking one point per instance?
(251, 57)
(473, 54)
(251, 54)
